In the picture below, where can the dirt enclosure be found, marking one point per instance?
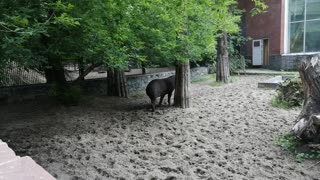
(227, 134)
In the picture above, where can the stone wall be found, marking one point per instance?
(282, 62)
(95, 86)
(92, 86)
(140, 82)
(23, 92)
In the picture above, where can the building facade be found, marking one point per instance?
(282, 36)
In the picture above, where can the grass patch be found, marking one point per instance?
(278, 103)
(68, 95)
(211, 79)
(216, 84)
(204, 78)
(291, 144)
(288, 142)
(137, 95)
(232, 79)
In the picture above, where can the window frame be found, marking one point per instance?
(287, 34)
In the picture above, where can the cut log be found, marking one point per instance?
(308, 121)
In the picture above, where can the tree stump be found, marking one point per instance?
(308, 121)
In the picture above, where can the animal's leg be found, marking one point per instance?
(153, 102)
(169, 97)
(161, 100)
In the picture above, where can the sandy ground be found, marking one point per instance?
(227, 134)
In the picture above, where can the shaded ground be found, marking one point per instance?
(228, 134)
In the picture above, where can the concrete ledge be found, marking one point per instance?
(267, 72)
(272, 83)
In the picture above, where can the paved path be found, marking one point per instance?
(19, 168)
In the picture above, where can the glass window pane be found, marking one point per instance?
(313, 36)
(296, 37)
(296, 10)
(313, 9)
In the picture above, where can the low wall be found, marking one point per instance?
(140, 82)
(23, 92)
(91, 86)
(286, 62)
(283, 62)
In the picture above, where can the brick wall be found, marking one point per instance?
(268, 25)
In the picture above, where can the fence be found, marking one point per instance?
(14, 75)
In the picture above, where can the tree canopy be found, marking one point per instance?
(36, 33)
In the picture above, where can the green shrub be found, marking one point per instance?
(212, 68)
(278, 102)
(290, 143)
(289, 94)
(69, 95)
(237, 62)
(310, 155)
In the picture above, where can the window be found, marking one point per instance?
(256, 43)
(304, 26)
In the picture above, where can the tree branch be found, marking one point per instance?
(10, 30)
(86, 72)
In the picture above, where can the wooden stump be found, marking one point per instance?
(308, 122)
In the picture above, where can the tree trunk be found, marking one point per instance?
(182, 89)
(81, 70)
(55, 72)
(48, 74)
(117, 83)
(53, 69)
(308, 122)
(223, 72)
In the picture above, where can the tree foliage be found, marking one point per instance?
(259, 8)
(92, 31)
(36, 33)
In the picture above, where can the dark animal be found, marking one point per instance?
(159, 88)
